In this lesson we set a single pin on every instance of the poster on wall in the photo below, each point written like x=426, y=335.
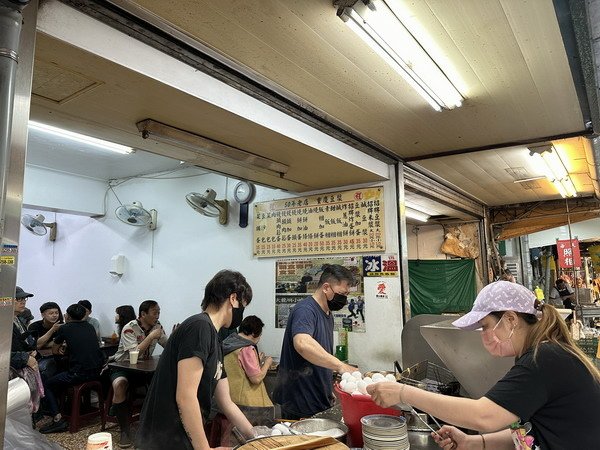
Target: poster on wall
x=381, y=289
x=339, y=222
x=380, y=266
x=295, y=279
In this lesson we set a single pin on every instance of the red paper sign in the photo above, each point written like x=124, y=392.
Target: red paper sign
x=568, y=253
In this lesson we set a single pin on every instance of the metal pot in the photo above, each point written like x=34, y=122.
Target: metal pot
x=311, y=425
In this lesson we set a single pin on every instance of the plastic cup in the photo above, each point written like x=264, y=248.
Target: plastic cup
x=99, y=441
x=133, y=356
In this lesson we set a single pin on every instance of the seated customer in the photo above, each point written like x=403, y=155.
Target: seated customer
x=85, y=362
x=91, y=320
x=22, y=349
x=246, y=371
x=44, y=330
x=123, y=315
x=142, y=334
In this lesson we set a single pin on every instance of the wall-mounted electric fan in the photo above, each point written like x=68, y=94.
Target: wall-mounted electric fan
x=135, y=214
x=37, y=226
x=208, y=205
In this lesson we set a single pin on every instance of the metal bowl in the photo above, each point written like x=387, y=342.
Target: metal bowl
x=307, y=426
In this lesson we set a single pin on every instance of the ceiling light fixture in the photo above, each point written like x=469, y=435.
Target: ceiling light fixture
x=548, y=159
x=417, y=215
x=81, y=138
x=376, y=24
x=151, y=129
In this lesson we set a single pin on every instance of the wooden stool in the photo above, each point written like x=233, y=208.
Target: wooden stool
x=77, y=392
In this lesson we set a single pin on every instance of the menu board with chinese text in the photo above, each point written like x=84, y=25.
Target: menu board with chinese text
x=340, y=222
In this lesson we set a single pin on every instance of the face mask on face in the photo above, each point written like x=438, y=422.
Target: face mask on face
x=337, y=302
x=237, y=315
x=495, y=346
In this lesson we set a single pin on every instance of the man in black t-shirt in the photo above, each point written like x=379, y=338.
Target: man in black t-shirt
x=85, y=361
x=190, y=372
x=44, y=330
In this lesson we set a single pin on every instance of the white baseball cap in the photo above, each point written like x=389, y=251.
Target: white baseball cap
x=498, y=296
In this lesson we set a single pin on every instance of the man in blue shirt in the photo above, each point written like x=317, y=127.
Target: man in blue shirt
x=305, y=381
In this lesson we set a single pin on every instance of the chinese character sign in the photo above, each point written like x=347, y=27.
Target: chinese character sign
x=339, y=222
x=568, y=253
x=380, y=266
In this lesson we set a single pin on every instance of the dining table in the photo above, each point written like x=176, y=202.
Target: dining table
x=146, y=366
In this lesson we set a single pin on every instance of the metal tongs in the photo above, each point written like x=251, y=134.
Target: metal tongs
x=415, y=413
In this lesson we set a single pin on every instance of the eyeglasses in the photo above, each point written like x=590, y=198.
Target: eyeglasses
x=21, y=300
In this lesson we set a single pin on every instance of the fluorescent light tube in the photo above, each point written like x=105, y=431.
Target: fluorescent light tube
x=560, y=188
x=417, y=215
x=555, y=164
x=548, y=159
x=569, y=187
x=81, y=138
x=200, y=145
x=377, y=25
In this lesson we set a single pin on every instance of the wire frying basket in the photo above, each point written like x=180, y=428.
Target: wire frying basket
x=431, y=377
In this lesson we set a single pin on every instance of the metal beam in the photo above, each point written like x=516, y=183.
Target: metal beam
x=428, y=187
x=75, y=28
x=143, y=25
x=14, y=131
x=519, y=143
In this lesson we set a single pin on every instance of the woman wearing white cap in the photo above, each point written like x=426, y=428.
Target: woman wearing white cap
x=550, y=398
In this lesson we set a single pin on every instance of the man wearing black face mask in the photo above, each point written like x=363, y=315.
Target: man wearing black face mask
x=190, y=372
x=305, y=379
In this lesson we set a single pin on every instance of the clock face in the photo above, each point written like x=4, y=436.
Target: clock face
x=243, y=192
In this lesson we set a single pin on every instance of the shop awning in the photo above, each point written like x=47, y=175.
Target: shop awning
x=517, y=220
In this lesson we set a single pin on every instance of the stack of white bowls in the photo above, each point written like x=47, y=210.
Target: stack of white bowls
x=381, y=432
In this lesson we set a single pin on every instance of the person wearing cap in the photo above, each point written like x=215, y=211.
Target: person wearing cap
x=550, y=398
x=25, y=316
x=23, y=345
x=91, y=320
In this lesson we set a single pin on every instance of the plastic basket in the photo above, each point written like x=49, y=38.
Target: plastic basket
x=431, y=377
x=354, y=408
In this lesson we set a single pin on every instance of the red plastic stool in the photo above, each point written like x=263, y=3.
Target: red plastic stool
x=76, y=393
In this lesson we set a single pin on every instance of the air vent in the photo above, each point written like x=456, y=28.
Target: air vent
x=57, y=84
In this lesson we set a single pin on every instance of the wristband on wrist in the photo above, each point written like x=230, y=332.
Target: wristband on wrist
x=402, y=386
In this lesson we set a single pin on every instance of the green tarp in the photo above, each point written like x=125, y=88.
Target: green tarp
x=438, y=286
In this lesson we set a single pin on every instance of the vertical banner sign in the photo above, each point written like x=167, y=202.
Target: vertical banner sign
x=568, y=253
x=338, y=222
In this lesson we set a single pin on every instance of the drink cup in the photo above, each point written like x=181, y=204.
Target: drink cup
x=99, y=441
x=133, y=356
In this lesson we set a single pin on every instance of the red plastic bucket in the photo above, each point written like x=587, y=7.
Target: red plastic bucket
x=354, y=408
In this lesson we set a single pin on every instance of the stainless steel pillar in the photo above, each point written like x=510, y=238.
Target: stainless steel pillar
x=17, y=43
x=403, y=243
